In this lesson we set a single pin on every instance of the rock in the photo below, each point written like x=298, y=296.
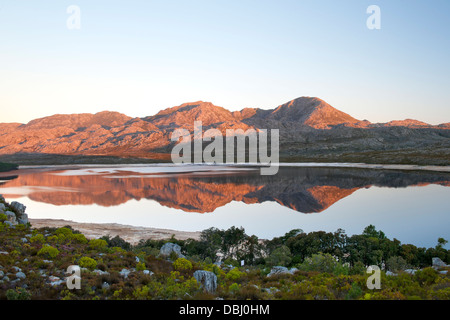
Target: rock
x=437, y=262
x=390, y=273
x=24, y=240
x=100, y=272
x=281, y=270
x=1, y=274
x=2, y=207
x=23, y=219
x=11, y=217
x=3, y=252
x=20, y=275
x=18, y=207
x=17, y=269
x=410, y=271
x=124, y=273
x=207, y=279
x=443, y=271
x=10, y=224
x=147, y=272
x=55, y=281
x=168, y=248
x=105, y=285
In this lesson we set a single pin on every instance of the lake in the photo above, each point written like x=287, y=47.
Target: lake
x=410, y=205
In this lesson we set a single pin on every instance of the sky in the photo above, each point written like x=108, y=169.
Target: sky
x=139, y=57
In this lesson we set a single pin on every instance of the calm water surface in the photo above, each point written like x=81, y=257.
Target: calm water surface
x=412, y=206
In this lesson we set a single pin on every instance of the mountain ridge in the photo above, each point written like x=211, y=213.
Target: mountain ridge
x=308, y=127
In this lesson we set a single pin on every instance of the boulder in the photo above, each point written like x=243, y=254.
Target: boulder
x=20, y=275
x=18, y=207
x=281, y=270
x=168, y=248
x=207, y=279
x=2, y=207
x=11, y=217
x=437, y=262
x=124, y=273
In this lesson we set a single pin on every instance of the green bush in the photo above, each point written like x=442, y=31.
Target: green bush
x=80, y=238
x=396, y=263
x=65, y=231
x=427, y=276
x=18, y=294
x=319, y=262
x=37, y=238
x=3, y=217
x=97, y=244
x=182, y=264
x=234, y=274
x=86, y=262
x=48, y=251
x=140, y=266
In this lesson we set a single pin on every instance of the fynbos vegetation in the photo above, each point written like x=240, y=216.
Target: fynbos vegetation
x=298, y=265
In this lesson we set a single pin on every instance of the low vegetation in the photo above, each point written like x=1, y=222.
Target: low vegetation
x=34, y=263
x=7, y=166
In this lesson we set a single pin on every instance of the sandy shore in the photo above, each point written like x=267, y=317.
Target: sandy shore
x=130, y=234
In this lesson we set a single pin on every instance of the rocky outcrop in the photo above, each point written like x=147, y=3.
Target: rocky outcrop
x=438, y=263
x=207, y=279
x=15, y=212
x=168, y=248
x=278, y=270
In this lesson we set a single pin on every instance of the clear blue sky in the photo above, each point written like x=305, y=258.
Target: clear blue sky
x=138, y=57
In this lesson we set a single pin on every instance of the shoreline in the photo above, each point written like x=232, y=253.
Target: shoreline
x=131, y=234
x=356, y=165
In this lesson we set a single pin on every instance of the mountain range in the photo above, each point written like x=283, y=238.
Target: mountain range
x=310, y=130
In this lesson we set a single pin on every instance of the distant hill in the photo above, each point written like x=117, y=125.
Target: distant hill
x=310, y=130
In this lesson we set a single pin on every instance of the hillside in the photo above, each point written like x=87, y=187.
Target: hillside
x=310, y=130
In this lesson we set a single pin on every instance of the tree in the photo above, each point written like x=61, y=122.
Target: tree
x=371, y=231
x=279, y=257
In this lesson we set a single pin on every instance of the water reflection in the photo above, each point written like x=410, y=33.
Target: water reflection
x=303, y=189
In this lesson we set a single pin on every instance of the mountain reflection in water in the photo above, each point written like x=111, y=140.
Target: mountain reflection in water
x=303, y=189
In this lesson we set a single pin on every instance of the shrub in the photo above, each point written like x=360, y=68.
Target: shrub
x=86, y=262
x=234, y=288
x=3, y=217
x=65, y=231
x=37, y=238
x=48, y=251
x=319, y=262
x=234, y=274
x=140, y=266
x=80, y=238
x=182, y=264
x=18, y=294
x=97, y=244
x=396, y=263
x=355, y=292
x=427, y=276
